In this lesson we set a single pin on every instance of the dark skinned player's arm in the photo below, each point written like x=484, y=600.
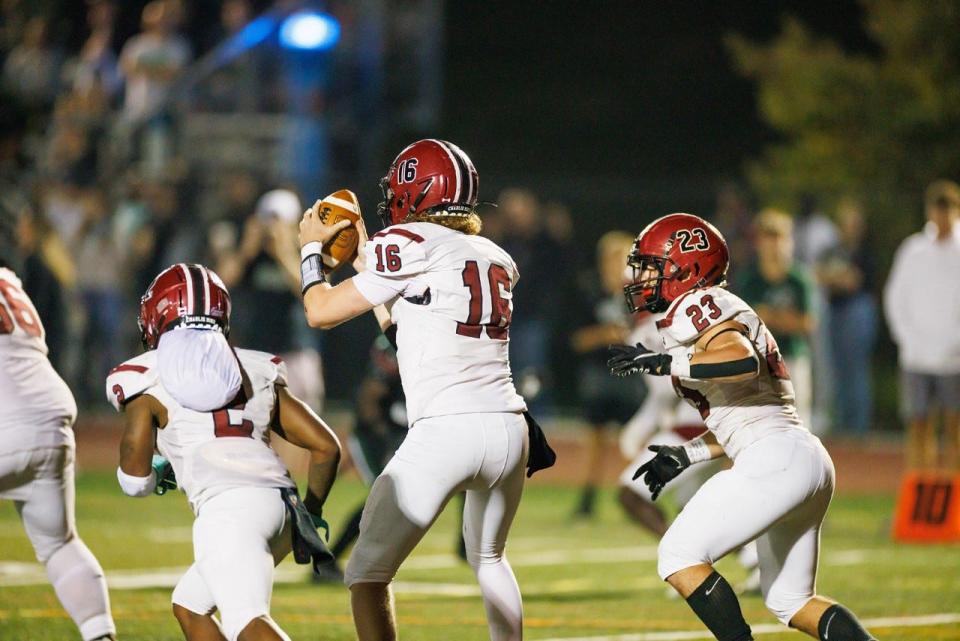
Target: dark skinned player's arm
x=299, y=425
x=141, y=416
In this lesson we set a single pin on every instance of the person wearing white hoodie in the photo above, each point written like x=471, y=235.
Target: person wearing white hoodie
x=922, y=305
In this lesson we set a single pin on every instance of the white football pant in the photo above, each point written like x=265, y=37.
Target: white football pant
x=777, y=492
x=40, y=482
x=238, y=538
x=484, y=454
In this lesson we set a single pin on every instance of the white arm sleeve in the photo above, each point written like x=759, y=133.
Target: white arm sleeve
x=139, y=486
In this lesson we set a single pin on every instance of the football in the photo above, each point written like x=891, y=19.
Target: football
x=342, y=248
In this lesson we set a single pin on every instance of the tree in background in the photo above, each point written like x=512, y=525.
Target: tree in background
x=879, y=125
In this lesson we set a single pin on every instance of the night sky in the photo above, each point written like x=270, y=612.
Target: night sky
x=617, y=104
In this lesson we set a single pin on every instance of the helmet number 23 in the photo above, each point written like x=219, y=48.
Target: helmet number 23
x=693, y=240
x=500, y=311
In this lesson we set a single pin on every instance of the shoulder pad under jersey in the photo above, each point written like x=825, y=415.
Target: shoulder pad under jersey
x=132, y=378
x=263, y=365
x=698, y=310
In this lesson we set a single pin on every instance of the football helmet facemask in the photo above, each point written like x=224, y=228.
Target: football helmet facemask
x=673, y=255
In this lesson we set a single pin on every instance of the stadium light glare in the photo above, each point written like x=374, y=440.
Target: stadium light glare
x=310, y=30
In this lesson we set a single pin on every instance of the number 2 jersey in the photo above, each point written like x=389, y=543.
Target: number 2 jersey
x=36, y=406
x=452, y=296
x=738, y=413
x=213, y=451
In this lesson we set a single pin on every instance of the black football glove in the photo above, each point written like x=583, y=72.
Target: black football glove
x=626, y=360
x=662, y=468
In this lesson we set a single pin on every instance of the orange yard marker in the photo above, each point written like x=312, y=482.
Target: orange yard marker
x=928, y=508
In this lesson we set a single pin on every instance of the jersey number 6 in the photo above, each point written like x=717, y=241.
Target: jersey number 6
x=21, y=313
x=500, y=312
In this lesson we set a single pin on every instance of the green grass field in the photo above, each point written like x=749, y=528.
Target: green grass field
x=591, y=579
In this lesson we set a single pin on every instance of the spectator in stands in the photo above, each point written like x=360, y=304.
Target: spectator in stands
x=264, y=270
x=922, y=304
x=733, y=216
x=236, y=86
x=96, y=65
x=815, y=236
x=604, y=321
x=98, y=261
x=32, y=70
x=848, y=274
x=782, y=293
x=151, y=63
x=535, y=253
x=152, y=60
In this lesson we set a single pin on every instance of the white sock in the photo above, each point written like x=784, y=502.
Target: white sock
x=78, y=580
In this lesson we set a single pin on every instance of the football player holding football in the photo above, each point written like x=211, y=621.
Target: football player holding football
x=209, y=410
x=724, y=361
x=448, y=302
x=37, y=453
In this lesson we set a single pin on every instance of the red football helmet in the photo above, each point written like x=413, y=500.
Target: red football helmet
x=685, y=252
x=429, y=177
x=183, y=294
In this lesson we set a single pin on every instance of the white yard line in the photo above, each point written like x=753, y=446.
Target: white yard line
x=18, y=573
x=766, y=628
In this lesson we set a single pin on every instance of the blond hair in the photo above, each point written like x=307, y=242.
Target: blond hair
x=614, y=241
x=943, y=191
x=469, y=224
x=774, y=221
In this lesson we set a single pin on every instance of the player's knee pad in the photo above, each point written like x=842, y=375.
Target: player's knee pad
x=675, y=554
x=78, y=580
x=784, y=604
x=360, y=570
x=48, y=535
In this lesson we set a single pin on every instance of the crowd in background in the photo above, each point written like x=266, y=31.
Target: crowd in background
x=91, y=235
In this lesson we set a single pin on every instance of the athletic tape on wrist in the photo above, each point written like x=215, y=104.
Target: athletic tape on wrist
x=311, y=267
x=697, y=451
x=313, y=247
x=680, y=366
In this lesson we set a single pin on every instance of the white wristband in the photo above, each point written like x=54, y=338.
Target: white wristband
x=136, y=485
x=697, y=451
x=680, y=366
x=313, y=247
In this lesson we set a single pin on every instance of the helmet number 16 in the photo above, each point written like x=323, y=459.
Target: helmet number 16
x=500, y=311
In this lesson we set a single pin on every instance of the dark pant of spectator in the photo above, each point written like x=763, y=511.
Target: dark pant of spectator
x=853, y=332
x=529, y=361
x=101, y=340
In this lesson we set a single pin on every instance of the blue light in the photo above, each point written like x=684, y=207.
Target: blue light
x=255, y=32
x=310, y=30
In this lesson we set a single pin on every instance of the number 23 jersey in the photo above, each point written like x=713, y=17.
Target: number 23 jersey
x=213, y=451
x=453, y=302
x=741, y=412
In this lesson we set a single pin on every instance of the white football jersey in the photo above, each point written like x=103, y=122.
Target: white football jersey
x=213, y=451
x=453, y=304
x=36, y=406
x=738, y=413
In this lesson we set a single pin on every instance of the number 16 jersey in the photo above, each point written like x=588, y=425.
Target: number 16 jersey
x=453, y=303
x=740, y=412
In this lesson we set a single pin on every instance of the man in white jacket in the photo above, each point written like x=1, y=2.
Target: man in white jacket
x=922, y=305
